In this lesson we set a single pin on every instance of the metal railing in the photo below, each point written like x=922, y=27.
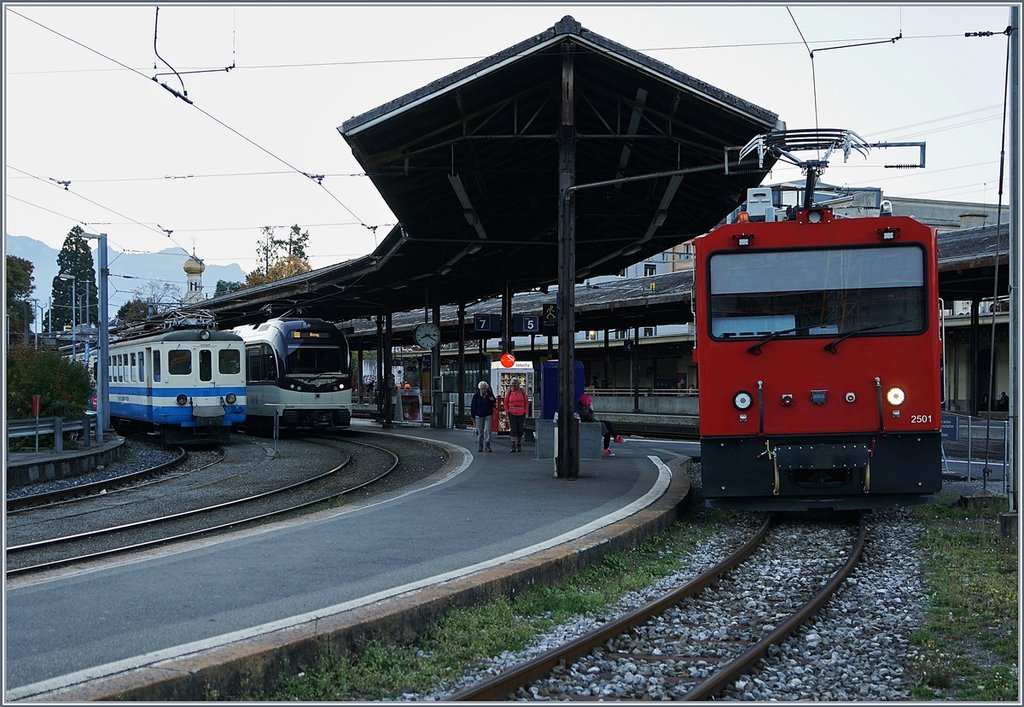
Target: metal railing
x=55, y=427
x=976, y=447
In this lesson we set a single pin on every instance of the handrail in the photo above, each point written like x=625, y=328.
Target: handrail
x=55, y=426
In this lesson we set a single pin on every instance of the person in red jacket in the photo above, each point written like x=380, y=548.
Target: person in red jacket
x=517, y=403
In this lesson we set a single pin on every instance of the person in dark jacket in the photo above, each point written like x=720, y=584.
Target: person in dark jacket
x=482, y=410
x=585, y=410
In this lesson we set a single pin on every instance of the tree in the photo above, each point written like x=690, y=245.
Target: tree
x=279, y=258
x=225, y=287
x=19, y=293
x=295, y=244
x=74, y=259
x=134, y=310
x=159, y=296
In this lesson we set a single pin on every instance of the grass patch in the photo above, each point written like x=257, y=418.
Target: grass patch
x=466, y=636
x=970, y=637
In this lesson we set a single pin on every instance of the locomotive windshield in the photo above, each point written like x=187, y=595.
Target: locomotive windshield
x=827, y=292
x=316, y=358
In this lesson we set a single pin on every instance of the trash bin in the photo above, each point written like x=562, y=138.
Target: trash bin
x=448, y=418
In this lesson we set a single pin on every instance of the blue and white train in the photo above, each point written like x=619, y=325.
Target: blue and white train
x=299, y=371
x=187, y=384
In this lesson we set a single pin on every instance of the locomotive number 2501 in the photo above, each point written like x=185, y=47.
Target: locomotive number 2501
x=920, y=419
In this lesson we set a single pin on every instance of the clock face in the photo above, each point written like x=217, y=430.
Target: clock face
x=428, y=335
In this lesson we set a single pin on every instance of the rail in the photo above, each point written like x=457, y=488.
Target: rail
x=53, y=426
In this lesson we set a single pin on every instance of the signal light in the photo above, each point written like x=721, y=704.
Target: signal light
x=742, y=400
x=895, y=396
x=230, y=398
x=181, y=399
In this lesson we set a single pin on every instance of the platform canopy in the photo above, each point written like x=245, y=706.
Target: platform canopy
x=470, y=165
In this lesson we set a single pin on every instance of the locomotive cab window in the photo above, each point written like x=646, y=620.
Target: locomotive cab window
x=179, y=362
x=229, y=361
x=818, y=293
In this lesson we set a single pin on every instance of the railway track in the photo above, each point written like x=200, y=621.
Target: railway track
x=248, y=485
x=696, y=640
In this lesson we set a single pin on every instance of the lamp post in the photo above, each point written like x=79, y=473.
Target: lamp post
x=74, y=298
x=102, y=384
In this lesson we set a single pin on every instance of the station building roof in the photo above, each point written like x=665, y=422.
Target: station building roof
x=967, y=262
x=470, y=165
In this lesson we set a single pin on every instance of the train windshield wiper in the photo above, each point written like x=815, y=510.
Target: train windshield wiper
x=833, y=345
x=756, y=348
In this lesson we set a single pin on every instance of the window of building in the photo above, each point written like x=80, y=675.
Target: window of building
x=650, y=269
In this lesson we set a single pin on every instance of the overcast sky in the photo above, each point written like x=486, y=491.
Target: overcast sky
x=81, y=105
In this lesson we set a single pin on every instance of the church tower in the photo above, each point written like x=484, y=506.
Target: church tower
x=193, y=268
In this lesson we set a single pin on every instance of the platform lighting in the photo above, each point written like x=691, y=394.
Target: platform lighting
x=74, y=299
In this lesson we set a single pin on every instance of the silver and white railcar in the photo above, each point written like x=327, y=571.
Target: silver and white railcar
x=299, y=372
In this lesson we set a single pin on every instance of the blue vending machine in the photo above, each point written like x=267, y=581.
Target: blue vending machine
x=549, y=388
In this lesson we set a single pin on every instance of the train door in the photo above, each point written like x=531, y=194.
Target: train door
x=149, y=367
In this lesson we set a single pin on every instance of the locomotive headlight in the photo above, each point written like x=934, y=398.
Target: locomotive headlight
x=813, y=217
x=895, y=396
x=742, y=400
x=230, y=398
x=181, y=399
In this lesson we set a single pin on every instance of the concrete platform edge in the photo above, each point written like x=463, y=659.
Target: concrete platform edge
x=258, y=663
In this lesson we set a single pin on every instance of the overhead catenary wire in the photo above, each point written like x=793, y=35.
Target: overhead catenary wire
x=209, y=115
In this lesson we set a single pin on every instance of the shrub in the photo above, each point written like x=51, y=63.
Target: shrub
x=64, y=385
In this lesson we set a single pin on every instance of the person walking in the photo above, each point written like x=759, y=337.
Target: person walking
x=482, y=410
x=517, y=403
x=585, y=410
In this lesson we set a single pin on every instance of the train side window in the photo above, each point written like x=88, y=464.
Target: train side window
x=268, y=367
x=228, y=361
x=142, y=367
x=205, y=365
x=252, y=364
x=131, y=366
x=156, y=366
x=179, y=362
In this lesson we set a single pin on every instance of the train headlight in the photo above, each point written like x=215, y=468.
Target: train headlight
x=204, y=334
x=895, y=396
x=742, y=400
x=181, y=399
x=230, y=398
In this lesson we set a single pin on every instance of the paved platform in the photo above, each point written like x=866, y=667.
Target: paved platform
x=32, y=467
x=202, y=618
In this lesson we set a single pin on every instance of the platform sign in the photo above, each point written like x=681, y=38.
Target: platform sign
x=525, y=324
x=487, y=323
x=950, y=427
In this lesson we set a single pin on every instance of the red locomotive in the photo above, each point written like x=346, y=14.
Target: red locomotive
x=818, y=345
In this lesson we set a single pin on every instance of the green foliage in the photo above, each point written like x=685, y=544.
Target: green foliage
x=64, y=385
x=279, y=258
x=74, y=301
x=19, y=292
x=225, y=287
x=971, y=634
x=135, y=310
